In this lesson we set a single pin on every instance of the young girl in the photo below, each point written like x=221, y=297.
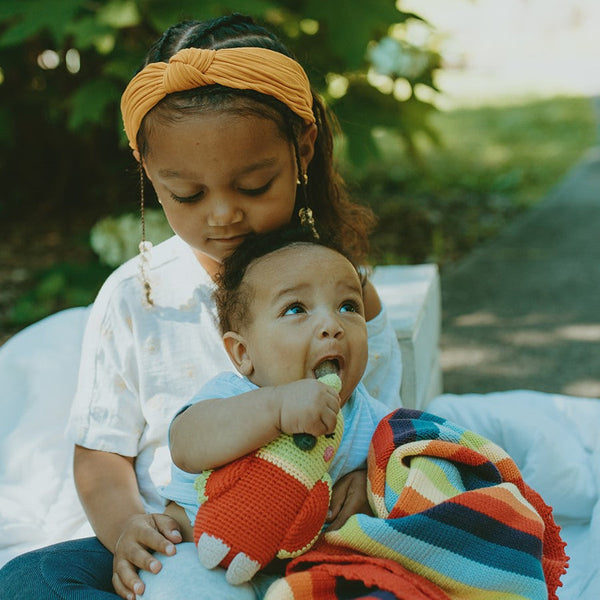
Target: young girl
x=223, y=123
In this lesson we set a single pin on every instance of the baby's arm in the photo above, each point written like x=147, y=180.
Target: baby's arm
x=217, y=431
x=108, y=490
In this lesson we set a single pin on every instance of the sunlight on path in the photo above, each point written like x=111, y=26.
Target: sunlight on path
x=503, y=50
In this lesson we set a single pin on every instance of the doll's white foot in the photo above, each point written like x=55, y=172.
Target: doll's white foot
x=211, y=550
x=241, y=569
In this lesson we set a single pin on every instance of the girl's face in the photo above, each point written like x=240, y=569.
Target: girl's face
x=220, y=176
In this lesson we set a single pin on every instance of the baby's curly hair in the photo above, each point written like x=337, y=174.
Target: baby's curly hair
x=232, y=297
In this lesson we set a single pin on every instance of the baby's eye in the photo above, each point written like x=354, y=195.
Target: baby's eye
x=349, y=306
x=294, y=309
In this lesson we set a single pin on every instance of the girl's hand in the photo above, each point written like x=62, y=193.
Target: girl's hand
x=308, y=406
x=348, y=497
x=143, y=535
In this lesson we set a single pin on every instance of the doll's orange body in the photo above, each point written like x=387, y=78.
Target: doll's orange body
x=270, y=503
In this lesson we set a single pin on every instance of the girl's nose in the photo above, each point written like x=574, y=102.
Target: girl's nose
x=223, y=212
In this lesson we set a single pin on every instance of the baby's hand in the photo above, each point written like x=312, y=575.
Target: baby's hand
x=348, y=497
x=308, y=406
x=143, y=535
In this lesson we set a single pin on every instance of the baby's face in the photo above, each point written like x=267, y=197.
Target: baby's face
x=307, y=317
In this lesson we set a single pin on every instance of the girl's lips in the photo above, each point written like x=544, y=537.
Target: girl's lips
x=227, y=241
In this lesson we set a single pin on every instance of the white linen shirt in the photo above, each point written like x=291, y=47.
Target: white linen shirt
x=140, y=364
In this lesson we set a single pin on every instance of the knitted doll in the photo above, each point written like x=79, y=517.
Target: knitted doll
x=270, y=503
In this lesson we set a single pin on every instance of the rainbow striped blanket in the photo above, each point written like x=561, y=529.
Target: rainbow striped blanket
x=453, y=519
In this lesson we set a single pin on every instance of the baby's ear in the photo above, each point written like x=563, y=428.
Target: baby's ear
x=235, y=345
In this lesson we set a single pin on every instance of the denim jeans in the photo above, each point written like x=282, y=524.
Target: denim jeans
x=73, y=570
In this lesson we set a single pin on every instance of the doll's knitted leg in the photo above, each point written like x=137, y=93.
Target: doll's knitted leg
x=242, y=568
x=211, y=550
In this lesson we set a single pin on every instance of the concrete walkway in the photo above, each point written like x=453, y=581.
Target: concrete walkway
x=523, y=311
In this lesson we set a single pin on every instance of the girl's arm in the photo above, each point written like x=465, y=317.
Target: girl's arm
x=107, y=486
x=217, y=431
x=383, y=374
x=371, y=300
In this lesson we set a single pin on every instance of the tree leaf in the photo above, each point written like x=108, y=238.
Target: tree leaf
x=86, y=31
x=90, y=101
x=119, y=14
x=39, y=15
x=350, y=28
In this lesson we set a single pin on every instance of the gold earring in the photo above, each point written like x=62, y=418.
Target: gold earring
x=308, y=221
x=304, y=180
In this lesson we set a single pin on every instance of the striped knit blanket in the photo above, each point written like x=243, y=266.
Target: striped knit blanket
x=453, y=519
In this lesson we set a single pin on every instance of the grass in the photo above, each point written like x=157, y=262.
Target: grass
x=488, y=165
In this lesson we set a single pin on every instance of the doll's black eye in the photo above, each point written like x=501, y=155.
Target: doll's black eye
x=330, y=436
x=305, y=441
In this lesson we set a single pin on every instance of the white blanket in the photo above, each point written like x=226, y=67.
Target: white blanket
x=38, y=374
x=554, y=439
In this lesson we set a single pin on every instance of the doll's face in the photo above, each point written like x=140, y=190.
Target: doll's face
x=306, y=308
x=221, y=175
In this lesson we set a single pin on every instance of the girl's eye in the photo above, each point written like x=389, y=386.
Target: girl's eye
x=186, y=199
x=349, y=306
x=256, y=191
x=294, y=309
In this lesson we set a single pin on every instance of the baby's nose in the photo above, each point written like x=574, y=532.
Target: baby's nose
x=331, y=328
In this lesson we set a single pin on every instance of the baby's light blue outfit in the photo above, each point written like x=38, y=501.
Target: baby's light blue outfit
x=183, y=576
x=361, y=413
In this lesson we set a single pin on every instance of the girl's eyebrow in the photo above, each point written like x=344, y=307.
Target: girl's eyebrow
x=256, y=166
x=261, y=164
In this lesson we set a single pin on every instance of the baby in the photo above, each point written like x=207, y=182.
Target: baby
x=291, y=310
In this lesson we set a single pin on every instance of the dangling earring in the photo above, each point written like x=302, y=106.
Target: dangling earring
x=304, y=179
x=305, y=213
x=308, y=221
x=145, y=246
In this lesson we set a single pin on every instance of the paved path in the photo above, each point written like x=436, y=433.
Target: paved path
x=523, y=311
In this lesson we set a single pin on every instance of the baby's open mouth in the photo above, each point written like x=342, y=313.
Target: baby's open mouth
x=327, y=367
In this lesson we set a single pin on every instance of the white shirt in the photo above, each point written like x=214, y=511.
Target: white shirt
x=140, y=364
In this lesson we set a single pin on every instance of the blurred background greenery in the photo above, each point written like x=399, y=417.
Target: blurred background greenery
x=442, y=177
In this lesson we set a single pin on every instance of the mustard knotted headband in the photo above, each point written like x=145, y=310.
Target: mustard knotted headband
x=258, y=69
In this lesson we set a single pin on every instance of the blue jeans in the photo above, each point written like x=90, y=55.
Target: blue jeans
x=74, y=570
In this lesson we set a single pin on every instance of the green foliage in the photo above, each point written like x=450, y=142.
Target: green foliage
x=489, y=165
x=112, y=37
x=63, y=285
x=90, y=102
x=116, y=239
x=27, y=18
